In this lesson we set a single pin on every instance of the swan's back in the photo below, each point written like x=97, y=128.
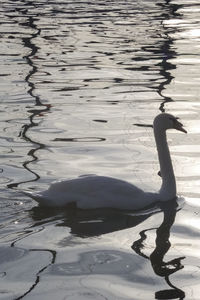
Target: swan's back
x=91, y=192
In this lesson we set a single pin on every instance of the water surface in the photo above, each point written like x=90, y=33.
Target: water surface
x=77, y=80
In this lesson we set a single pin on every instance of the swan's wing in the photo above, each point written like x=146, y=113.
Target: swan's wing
x=94, y=192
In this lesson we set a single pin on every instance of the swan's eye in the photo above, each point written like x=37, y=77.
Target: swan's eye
x=175, y=120
x=176, y=123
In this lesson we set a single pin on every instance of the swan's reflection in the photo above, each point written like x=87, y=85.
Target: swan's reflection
x=92, y=223
x=161, y=268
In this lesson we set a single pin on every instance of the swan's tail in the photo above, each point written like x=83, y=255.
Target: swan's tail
x=35, y=196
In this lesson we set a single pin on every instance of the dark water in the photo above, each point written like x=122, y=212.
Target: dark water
x=75, y=78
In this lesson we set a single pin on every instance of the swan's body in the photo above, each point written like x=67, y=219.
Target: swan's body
x=91, y=192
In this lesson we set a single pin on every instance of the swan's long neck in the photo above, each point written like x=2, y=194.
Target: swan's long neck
x=168, y=187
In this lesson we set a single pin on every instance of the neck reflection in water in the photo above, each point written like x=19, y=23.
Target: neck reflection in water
x=91, y=223
x=161, y=268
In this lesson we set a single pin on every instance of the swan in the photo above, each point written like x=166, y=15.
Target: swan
x=90, y=192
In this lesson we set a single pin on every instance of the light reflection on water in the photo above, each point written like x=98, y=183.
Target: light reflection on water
x=75, y=77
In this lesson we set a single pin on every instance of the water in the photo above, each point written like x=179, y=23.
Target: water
x=77, y=78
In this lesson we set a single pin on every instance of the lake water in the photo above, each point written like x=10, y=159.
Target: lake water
x=80, y=83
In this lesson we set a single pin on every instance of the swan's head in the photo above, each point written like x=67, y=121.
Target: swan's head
x=166, y=121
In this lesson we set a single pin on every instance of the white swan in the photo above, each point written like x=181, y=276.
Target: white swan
x=91, y=192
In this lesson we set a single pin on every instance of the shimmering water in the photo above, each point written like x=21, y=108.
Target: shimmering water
x=77, y=80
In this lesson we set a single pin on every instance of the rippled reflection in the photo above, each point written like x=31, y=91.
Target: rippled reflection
x=68, y=60
x=75, y=77
x=161, y=268
x=92, y=223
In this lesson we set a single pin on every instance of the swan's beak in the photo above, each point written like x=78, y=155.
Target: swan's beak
x=178, y=126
